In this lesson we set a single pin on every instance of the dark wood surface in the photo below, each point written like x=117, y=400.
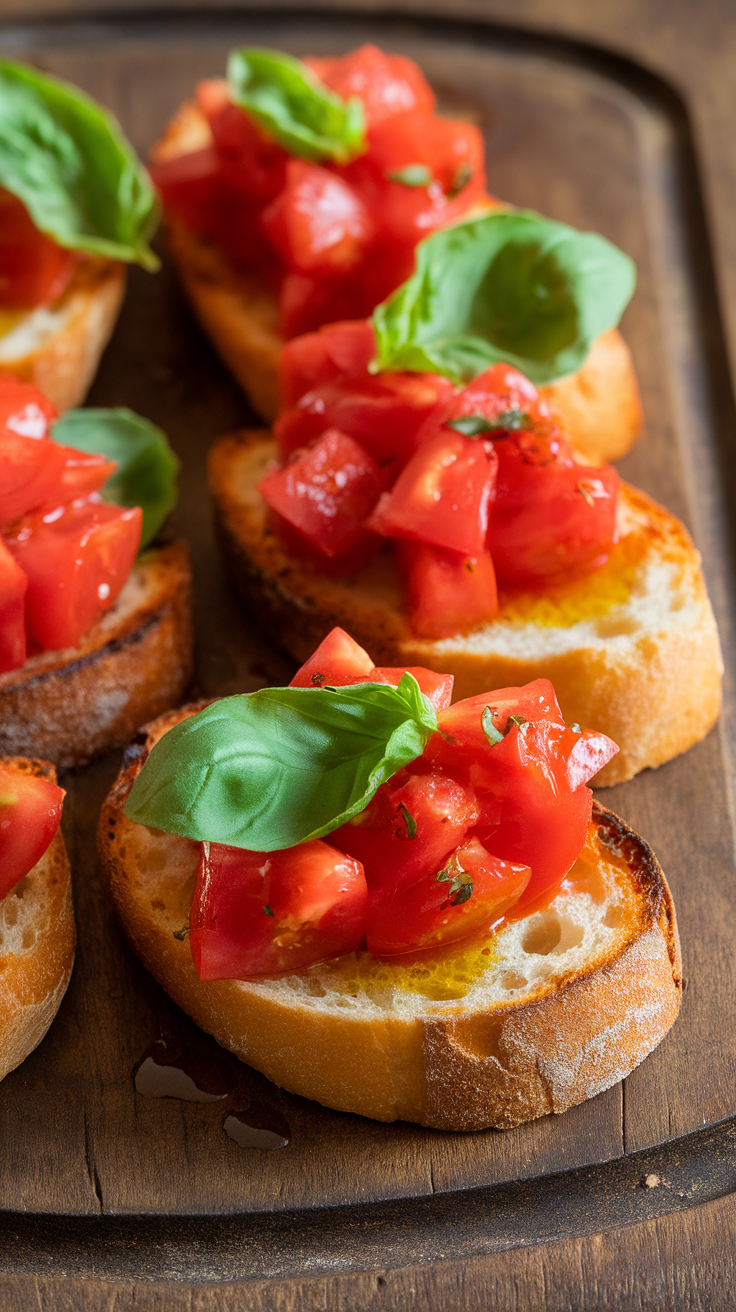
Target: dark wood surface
x=602, y=144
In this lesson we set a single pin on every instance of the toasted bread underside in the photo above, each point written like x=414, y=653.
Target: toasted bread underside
x=37, y=941
x=633, y=652
x=135, y=662
x=545, y=1013
x=599, y=404
x=58, y=347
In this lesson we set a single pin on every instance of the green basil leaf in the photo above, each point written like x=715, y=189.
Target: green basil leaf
x=508, y=421
x=67, y=160
x=412, y=175
x=273, y=768
x=147, y=467
x=286, y=98
x=510, y=286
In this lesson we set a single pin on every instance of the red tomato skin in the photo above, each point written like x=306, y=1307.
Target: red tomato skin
x=33, y=269
x=315, y=895
x=421, y=913
x=251, y=164
x=448, y=593
x=443, y=811
x=76, y=559
x=31, y=466
x=191, y=188
x=442, y=495
x=13, y=585
x=387, y=84
x=30, y=811
x=83, y=473
x=317, y=223
x=336, y=350
x=436, y=687
x=326, y=493
x=339, y=660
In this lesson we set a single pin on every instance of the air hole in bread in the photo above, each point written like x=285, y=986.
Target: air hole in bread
x=157, y=904
x=11, y=913
x=513, y=980
x=613, y=626
x=29, y=937
x=542, y=936
x=614, y=917
x=315, y=989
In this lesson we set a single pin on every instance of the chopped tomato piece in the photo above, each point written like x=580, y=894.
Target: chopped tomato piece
x=30, y=811
x=468, y=893
x=265, y=913
x=13, y=584
x=33, y=269
x=31, y=466
x=83, y=473
x=76, y=559
x=191, y=188
x=409, y=827
x=327, y=493
x=339, y=660
x=500, y=394
x=436, y=687
x=318, y=223
x=337, y=350
x=251, y=164
x=448, y=593
x=387, y=84
x=442, y=495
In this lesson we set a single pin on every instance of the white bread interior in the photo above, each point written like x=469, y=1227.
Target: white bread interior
x=57, y=347
x=546, y=1012
x=136, y=661
x=644, y=666
x=37, y=940
x=599, y=404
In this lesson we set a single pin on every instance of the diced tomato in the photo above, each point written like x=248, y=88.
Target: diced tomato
x=499, y=392
x=337, y=350
x=383, y=412
x=339, y=660
x=413, y=822
x=535, y=774
x=30, y=811
x=436, y=687
x=31, y=466
x=468, y=894
x=442, y=495
x=33, y=269
x=76, y=559
x=387, y=84
x=448, y=593
x=191, y=188
x=212, y=95
x=266, y=913
x=317, y=223
x=13, y=584
x=327, y=493
x=82, y=474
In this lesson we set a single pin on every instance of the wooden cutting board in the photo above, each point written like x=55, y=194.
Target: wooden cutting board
x=589, y=140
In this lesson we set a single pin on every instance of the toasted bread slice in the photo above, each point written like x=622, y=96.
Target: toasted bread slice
x=546, y=1012
x=135, y=662
x=599, y=404
x=37, y=941
x=58, y=347
x=632, y=649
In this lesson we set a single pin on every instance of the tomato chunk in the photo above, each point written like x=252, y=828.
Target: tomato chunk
x=387, y=84
x=448, y=593
x=266, y=913
x=335, y=350
x=442, y=495
x=327, y=493
x=339, y=660
x=468, y=894
x=76, y=559
x=31, y=466
x=30, y=811
x=33, y=269
x=436, y=687
x=318, y=223
x=13, y=584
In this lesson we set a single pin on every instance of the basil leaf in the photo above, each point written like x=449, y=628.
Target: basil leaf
x=273, y=768
x=67, y=160
x=508, y=421
x=286, y=98
x=147, y=467
x=510, y=286
x=412, y=175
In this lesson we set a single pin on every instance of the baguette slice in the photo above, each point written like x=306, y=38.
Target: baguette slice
x=632, y=650
x=57, y=347
x=549, y=1011
x=37, y=941
x=599, y=404
x=135, y=662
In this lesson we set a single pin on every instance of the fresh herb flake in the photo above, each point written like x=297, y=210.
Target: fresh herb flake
x=267, y=910
x=586, y=494
x=493, y=734
x=409, y=821
x=412, y=175
x=463, y=175
x=518, y=720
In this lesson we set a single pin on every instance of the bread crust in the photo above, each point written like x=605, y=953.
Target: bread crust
x=135, y=662
x=599, y=404
x=655, y=690
x=34, y=980
x=66, y=361
x=444, y=1064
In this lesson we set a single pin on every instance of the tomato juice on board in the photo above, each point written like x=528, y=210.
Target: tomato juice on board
x=484, y=819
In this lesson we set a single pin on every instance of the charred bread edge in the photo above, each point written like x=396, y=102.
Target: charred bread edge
x=495, y=1068
x=151, y=659
x=26, y=1012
